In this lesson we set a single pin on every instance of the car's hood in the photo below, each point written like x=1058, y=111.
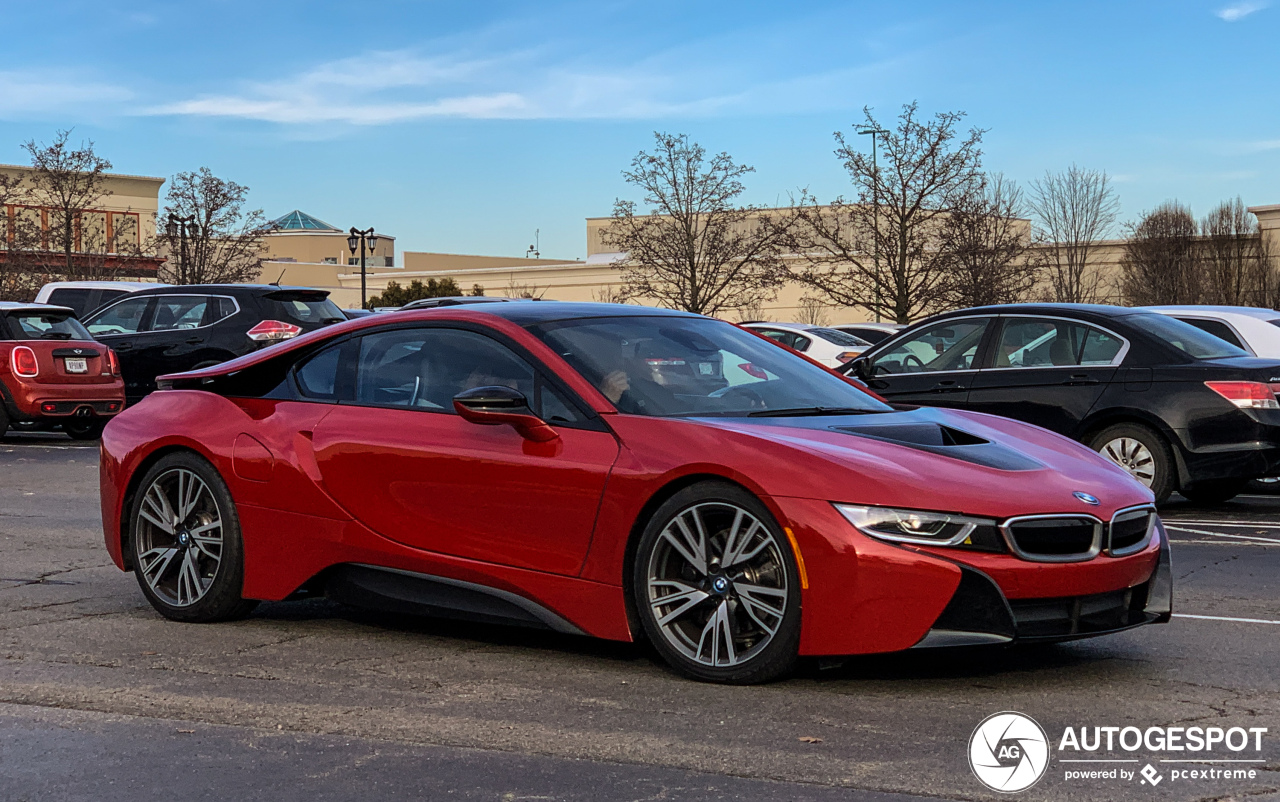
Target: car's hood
x=943, y=459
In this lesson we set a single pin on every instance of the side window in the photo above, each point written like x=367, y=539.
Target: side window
x=552, y=407
x=318, y=376
x=1217, y=328
x=425, y=368
x=123, y=318
x=1100, y=348
x=802, y=343
x=219, y=308
x=785, y=337
x=178, y=312
x=951, y=345
x=74, y=297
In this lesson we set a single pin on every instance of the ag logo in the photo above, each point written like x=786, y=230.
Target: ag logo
x=1008, y=752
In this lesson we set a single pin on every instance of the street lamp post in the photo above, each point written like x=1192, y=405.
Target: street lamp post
x=358, y=239
x=179, y=227
x=873, y=132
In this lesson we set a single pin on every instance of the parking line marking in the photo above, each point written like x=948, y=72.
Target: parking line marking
x=1226, y=618
x=1221, y=543
x=1244, y=524
x=1251, y=538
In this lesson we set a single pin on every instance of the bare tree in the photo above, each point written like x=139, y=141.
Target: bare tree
x=750, y=312
x=609, y=294
x=876, y=252
x=812, y=311
x=983, y=245
x=521, y=289
x=225, y=246
x=1075, y=210
x=22, y=272
x=69, y=182
x=698, y=249
x=1160, y=263
x=1235, y=267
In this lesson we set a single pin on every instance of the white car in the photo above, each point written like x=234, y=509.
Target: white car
x=86, y=296
x=829, y=346
x=1255, y=330
x=873, y=333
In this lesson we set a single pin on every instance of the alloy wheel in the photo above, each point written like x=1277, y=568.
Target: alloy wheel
x=717, y=584
x=179, y=531
x=1133, y=456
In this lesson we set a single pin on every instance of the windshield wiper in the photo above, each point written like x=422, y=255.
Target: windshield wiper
x=796, y=412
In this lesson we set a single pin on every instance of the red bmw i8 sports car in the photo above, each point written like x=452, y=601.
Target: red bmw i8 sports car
x=619, y=472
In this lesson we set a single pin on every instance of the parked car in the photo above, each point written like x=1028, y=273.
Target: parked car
x=352, y=314
x=829, y=346
x=86, y=296
x=453, y=300
x=1255, y=330
x=170, y=329
x=1178, y=408
x=871, y=332
x=52, y=373
x=517, y=463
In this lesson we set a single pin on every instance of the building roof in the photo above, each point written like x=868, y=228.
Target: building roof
x=301, y=221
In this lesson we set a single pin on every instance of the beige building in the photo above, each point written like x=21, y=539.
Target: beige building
x=120, y=229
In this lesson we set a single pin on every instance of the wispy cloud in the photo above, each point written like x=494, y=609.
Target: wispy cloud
x=398, y=86
x=29, y=93
x=1240, y=10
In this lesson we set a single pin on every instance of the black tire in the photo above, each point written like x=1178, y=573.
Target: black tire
x=219, y=599
x=754, y=654
x=84, y=430
x=1163, y=480
x=1214, y=491
x=4, y=422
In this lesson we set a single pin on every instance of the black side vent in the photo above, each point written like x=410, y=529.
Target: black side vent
x=947, y=441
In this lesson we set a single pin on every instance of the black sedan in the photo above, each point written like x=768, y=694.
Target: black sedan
x=1178, y=408
x=174, y=329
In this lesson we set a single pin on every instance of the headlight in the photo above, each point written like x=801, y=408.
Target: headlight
x=923, y=527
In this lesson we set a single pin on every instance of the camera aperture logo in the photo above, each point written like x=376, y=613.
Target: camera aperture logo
x=1008, y=752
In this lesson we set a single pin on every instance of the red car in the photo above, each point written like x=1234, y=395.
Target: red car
x=53, y=374
x=619, y=472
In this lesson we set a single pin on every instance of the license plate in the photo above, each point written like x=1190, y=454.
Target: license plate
x=77, y=366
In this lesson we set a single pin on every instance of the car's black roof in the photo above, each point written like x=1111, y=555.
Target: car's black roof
x=1105, y=310
x=529, y=313
x=224, y=289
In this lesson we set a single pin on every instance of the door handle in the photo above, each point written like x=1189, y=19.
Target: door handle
x=195, y=340
x=948, y=386
x=122, y=346
x=1078, y=379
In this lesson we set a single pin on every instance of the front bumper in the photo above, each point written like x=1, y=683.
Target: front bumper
x=980, y=614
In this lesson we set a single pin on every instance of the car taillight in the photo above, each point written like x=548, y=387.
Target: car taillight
x=847, y=356
x=113, y=363
x=23, y=361
x=273, y=331
x=1246, y=395
x=752, y=370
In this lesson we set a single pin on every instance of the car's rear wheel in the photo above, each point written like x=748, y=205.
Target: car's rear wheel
x=185, y=534
x=716, y=586
x=1214, y=491
x=1142, y=452
x=84, y=430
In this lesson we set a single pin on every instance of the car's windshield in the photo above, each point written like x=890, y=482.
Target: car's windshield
x=1186, y=338
x=45, y=326
x=688, y=366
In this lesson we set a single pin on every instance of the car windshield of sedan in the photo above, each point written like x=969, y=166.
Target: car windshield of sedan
x=674, y=366
x=1188, y=339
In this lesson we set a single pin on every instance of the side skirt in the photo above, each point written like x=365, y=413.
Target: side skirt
x=397, y=591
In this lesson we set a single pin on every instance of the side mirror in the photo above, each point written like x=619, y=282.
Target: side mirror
x=861, y=368
x=496, y=405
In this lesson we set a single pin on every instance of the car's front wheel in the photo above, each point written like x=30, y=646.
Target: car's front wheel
x=185, y=534
x=716, y=586
x=1142, y=452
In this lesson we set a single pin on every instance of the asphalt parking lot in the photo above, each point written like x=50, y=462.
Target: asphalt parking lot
x=102, y=699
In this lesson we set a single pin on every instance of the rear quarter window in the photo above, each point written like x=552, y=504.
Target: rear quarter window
x=313, y=311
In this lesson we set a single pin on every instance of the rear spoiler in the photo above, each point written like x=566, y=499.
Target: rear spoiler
x=297, y=295
x=39, y=309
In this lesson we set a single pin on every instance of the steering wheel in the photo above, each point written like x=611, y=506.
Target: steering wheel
x=753, y=398
x=906, y=360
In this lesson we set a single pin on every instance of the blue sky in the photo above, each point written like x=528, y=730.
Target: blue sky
x=465, y=126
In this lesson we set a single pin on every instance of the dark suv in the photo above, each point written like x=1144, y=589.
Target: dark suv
x=173, y=329
x=1178, y=408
